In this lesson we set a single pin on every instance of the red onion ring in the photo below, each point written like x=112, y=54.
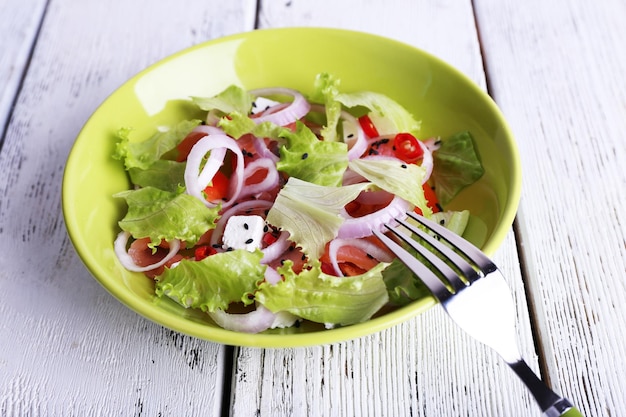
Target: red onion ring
x=195, y=183
x=355, y=227
x=298, y=108
x=368, y=247
x=273, y=251
x=253, y=322
x=126, y=260
x=264, y=151
x=272, y=276
x=269, y=182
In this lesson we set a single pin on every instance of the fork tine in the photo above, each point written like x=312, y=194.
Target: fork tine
x=466, y=269
x=470, y=251
x=450, y=275
x=428, y=277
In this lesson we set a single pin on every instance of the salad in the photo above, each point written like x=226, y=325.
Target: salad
x=261, y=214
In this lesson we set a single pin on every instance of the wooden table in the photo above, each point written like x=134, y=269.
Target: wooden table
x=556, y=69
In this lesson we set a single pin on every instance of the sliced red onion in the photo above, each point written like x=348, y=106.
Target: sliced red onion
x=272, y=276
x=359, y=145
x=433, y=144
x=240, y=207
x=273, y=251
x=264, y=151
x=297, y=109
x=427, y=161
x=368, y=247
x=209, y=130
x=355, y=227
x=127, y=261
x=253, y=322
x=269, y=182
x=217, y=143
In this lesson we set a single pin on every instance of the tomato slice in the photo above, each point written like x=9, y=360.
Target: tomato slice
x=407, y=147
x=185, y=146
x=218, y=188
x=368, y=127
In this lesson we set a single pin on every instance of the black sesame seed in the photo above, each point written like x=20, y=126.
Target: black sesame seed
x=245, y=226
x=265, y=228
x=216, y=245
x=305, y=155
x=439, y=207
x=351, y=135
x=229, y=249
x=370, y=256
x=403, y=166
x=249, y=241
x=303, y=257
x=442, y=222
x=383, y=141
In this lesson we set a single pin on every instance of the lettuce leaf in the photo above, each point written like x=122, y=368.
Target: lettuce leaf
x=215, y=281
x=143, y=154
x=322, y=298
x=383, y=111
x=237, y=124
x=456, y=165
x=311, y=213
x=163, y=174
x=232, y=99
x=306, y=157
x=326, y=89
x=394, y=176
x=162, y=215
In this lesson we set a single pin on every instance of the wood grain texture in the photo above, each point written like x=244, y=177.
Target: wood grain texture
x=556, y=71
x=18, y=29
x=425, y=367
x=66, y=346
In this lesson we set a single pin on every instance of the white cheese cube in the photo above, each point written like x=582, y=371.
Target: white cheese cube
x=244, y=232
x=261, y=104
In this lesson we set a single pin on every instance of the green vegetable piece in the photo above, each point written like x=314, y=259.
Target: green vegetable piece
x=394, y=176
x=162, y=215
x=311, y=213
x=456, y=165
x=384, y=111
x=322, y=298
x=312, y=160
x=326, y=89
x=143, y=154
x=215, y=281
x=163, y=174
x=232, y=99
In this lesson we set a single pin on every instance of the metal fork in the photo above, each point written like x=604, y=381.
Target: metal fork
x=475, y=295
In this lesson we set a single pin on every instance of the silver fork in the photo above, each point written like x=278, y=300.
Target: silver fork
x=475, y=295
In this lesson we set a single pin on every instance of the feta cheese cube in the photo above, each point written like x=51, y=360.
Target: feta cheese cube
x=244, y=232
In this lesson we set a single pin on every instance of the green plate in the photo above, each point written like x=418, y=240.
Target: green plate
x=444, y=99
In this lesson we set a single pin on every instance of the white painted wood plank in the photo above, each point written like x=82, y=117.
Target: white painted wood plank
x=18, y=28
x=425, y=367
x=66, y=346
x=557, y=72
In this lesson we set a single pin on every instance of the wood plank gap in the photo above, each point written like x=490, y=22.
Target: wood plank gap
x=227, y=380
x=482, y=50
x=257, y=15
x=524, y=267
x=532, y=307
x=20, y=83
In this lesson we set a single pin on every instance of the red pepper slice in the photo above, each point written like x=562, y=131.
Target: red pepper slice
x=431, y=199
x=202, y=252
x=218, y=188
x=407, y=147
x=368, y=127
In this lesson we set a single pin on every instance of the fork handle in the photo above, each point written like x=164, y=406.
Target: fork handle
x=551, y=404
